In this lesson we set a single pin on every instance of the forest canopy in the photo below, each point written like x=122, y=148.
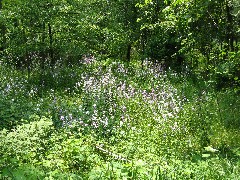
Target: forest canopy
x=202, y=35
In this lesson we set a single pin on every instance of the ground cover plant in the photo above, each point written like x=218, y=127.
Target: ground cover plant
x=113, y=120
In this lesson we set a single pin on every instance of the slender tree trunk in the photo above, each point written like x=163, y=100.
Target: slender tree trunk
x=229, y=33
x=3, y=46
x=129, y=47
x=143, y=43
x=29, y=63
x=51, y=53
x=26, y=57
x=3, y=31
x=43, y=53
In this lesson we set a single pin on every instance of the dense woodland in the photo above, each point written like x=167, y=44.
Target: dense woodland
x=117, y=89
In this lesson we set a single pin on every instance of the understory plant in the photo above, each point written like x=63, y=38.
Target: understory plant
x=118, y=122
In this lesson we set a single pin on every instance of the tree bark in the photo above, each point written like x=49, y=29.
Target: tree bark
x=129, y=52
x=43, y=52
x=51, y=53
x=3, y=31
x=229, y=33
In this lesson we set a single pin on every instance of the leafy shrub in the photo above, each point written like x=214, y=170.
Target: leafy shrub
x=25, y=143
x=227, y=73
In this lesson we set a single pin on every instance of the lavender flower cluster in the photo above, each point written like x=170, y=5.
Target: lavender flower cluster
x=107, y=95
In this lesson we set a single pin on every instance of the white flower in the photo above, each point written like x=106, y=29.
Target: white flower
x=62, y=118
x=121, y=123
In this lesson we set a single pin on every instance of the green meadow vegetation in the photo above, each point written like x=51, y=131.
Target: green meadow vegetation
x=117, y=123
x=119, y=89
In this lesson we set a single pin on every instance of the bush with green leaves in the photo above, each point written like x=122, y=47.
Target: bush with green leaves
x=43, y=151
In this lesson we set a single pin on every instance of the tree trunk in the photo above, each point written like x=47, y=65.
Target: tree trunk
x=43, y=53
x=51, y=53
x=3, y=31
x=129, y=52
x=229, y=33
x=143, y=43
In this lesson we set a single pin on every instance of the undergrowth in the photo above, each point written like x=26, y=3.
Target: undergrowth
x=110, y=120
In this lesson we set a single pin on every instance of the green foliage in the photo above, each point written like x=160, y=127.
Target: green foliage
x=121, y=122
x=15, y=98
x=70, y=110
x=201, y=35
x=23, y=145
